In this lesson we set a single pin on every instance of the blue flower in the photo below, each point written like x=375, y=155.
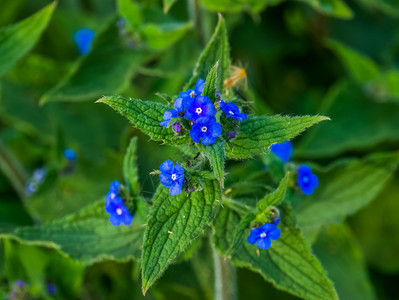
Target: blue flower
x=205, y=129
x=174, y=113
x=306, y=180
x=232, y=111
x=69, y=154
x=19, y=283
x=276, y=221
x=198, y=107
x=83, y=38
x=51, y=289
x=264, y=235
x=39, y=175
x=192, y=93
x=172, y=177
x=114, y=206
x=283, y=151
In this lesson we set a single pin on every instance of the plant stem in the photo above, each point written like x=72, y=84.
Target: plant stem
x=195, y=15
x=225, y=278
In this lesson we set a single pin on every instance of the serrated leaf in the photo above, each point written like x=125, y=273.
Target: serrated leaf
x=130, y=11
x=88, y=236
x=17, y=39
x=145, y=116
x=276, y=197
x=210, y=83
x=106, y=69
x=130, y=169
x=339, y=253
x=258, y=133
x=175, y=221
x=344, y=189
x=217, y=49
x=362, y=68
x=289, y=264
x=215, y=154
x=167, y=4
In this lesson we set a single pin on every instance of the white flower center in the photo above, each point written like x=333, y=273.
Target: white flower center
x=174, y=177
x=119, y=211
x=305, y=179
x=263, y=235
x=192, y=94
x=198, y=110
x=230, y=112
x=204, y=129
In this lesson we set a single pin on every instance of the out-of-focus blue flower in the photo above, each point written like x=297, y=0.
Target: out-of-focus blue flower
x=83, y=38
x=283, y=151
x=232, y=134
x=69, y=154
x=19, y=283
x=198, y=107
x=264, y=235
x=51, y=289
x=173, y=113
x=306, y=180
x=232, y=111
x=39, y=175
x=205, y=129
x=114, y=206
x=276, y=221
x=172, y=177
x=192, y=93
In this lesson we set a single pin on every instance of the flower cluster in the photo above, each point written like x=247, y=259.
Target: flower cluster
x=114, y=206
x=35, y=181
x=201, y=111
x=264, y=235
x=172, y=177
x=306, y=180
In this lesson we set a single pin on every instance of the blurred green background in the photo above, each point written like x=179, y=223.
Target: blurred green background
x=336, y=58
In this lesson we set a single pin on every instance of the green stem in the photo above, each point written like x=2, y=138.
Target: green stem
x=225, y=278
x=13, y=170
x=195, y=15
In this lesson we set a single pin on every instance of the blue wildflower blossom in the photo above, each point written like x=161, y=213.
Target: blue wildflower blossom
x=114, y=206
x=232, y=111
x=51, y=289
x=306, y=180
x=198, y=107
x=83, y=38
x=172, y=177
x=276, y=221
x=283, y=151
x=19, y=283
x=205, y=129
x=264, y=235
x=174, y=113
x=192, y=93
x=69, y=154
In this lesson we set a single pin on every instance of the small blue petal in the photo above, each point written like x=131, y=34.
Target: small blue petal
x=178, y=169
x=69, y=154
x=252, y=238
x=167, y=167
x=199, y=86
x=283, y=151
x=166, y=179
x=115, y=219
x=83, y=39
x=264, y=243
x=274, y=234
x=175, y=189
x=114, y=186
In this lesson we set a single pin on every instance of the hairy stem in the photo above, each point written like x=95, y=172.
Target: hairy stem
x=225, y=278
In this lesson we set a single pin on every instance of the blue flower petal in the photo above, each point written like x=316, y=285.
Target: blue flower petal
x=274, y=234
x=264, y=243
x=178, y=169
x=167, y=167
x=166, y=179
x=199, y=86
x=114, y=186
x=175, y=189
x=115, y=219
x=252, y=238
x=216, y=129
x=208, y=139
x=164, y=123
x=179, y=104
x=196, y=133
x=314, y=181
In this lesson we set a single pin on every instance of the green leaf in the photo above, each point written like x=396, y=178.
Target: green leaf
x=145, y=115
x=175, y=221
x=376, y=228
x=215, y=154
x=130, y=169
x=362, y=68
x=107, y=69
x=88, y=236
x=289, y=264
x=130, y=11
x=375, y=124
x=258, y=133
x=217, y=50
x=167, y=4
x=342, y=258
x=210, y=83
x=161, y=36
x=235, y=6
x=344, y=189
x=17, y=39
x=335, y=8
